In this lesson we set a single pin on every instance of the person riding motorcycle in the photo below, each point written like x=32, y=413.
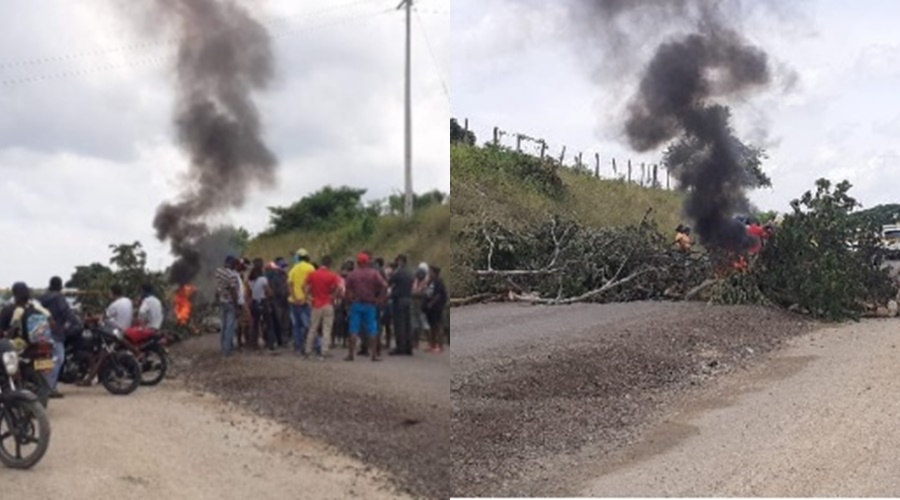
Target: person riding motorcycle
x=149, y=318
x=14, y=317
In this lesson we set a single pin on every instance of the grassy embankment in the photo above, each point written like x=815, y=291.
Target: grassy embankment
x=516, y=190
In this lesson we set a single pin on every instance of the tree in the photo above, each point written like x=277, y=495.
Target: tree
x=825, y=260
x=461, y=135
x=84, y=276
x=395, y=202
x=325, y=209
x=686, y=153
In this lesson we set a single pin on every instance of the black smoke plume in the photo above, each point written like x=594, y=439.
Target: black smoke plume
x=224, y=56
x=677, y=100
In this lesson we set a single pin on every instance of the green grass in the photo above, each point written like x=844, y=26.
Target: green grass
x=516, y=190
x=425, y=237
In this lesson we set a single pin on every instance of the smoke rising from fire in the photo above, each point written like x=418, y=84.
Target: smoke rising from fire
x=677, y=99
x=224, y=56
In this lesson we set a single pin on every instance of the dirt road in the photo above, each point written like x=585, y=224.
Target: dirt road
x=539, y=392
x=166, y=442
x=819, y=419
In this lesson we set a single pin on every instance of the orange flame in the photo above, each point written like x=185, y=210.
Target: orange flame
x=182, y=303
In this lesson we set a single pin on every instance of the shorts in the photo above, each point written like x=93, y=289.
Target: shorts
x=418, y=319
x=365, y=315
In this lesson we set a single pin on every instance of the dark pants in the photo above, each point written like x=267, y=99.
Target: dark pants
x=402, y=327
x=281, y=322
x=262, y=323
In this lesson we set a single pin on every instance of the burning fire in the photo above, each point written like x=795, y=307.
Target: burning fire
x=182, y=303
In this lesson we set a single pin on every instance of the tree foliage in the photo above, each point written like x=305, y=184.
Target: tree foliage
x=460, y=135
x=325, y=209
x=824, y=259
x=128, y=268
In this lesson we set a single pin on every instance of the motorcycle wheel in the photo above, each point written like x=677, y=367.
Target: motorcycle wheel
x=37, y=384
x=121, y=374
x=154, y=366
x=23, y=423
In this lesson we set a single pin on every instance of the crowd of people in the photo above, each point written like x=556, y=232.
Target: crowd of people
x=365, y=305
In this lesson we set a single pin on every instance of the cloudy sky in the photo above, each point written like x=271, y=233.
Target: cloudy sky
x=86, y=136
x=524, y=66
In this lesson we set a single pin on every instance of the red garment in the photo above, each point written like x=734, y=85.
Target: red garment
x=138, y=334
x=365, y=285
x=756, y=232
x=322, y=283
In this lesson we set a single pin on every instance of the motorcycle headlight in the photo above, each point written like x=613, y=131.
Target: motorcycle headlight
x=11, y=362
x=118, y=333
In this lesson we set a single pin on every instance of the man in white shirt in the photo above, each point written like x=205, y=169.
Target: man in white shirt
x=121, y=311
x=150, y=314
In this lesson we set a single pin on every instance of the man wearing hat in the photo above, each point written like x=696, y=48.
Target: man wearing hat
x=301, y=310
x=365, y=290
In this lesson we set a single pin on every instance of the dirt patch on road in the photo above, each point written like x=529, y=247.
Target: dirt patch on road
x=517, y=410
x=393, y=415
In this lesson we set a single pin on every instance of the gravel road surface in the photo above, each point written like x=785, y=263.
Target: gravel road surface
x=538, y=393
x=166, y=442
x=394, y=415
x=817, y=420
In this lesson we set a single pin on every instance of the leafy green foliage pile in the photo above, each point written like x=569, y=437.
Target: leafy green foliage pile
x=825, y=259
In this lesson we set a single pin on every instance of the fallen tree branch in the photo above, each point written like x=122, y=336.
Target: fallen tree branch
x=693, y=292
x=475, y=299
x=609, y=285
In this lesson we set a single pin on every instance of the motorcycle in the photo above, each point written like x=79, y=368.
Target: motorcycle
x=24, y=426
x=150, y=348
x=35, y=364
x=101, y=345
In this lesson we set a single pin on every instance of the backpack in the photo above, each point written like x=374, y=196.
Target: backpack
x=35, y=324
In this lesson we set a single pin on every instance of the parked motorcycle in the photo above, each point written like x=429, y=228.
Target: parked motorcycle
x=24, y=426
x=102, y=345
x=35, y=364
x=150, y=349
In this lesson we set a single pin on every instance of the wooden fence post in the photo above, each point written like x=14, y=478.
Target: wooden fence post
x=597, y=167
x=667, y=178
x=518, y=143
x=562, y=156
x=578, y=162
x=543, y=148
x=466, y=128
x=655, y=178
x=615, y=170
x=496, y=136
x=643, y=173
x=629, y=170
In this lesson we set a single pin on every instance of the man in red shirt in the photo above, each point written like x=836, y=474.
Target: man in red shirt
x=366, y=290
x=324, y=286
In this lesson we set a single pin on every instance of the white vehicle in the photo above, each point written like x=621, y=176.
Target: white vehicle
x=891, y=236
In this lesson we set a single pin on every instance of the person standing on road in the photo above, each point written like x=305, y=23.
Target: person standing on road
x=259, y=307
x=64, y=321
x=121, y=310
x=418, y=320
x=281, y=316
x=365, y=291
x=300, y=308
x=434, y=310
x=323, y=287
x=227, y=293
x=401, y=297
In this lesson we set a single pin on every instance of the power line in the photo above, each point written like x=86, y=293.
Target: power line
x=172, y=41
x=431, y=52
x=150, y=61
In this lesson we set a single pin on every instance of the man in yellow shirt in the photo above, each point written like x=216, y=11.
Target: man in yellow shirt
x=301, y=310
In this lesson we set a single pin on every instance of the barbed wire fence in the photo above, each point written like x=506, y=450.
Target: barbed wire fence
x=592, y=163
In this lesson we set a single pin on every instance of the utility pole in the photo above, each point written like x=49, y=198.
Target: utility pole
x=408, y=202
